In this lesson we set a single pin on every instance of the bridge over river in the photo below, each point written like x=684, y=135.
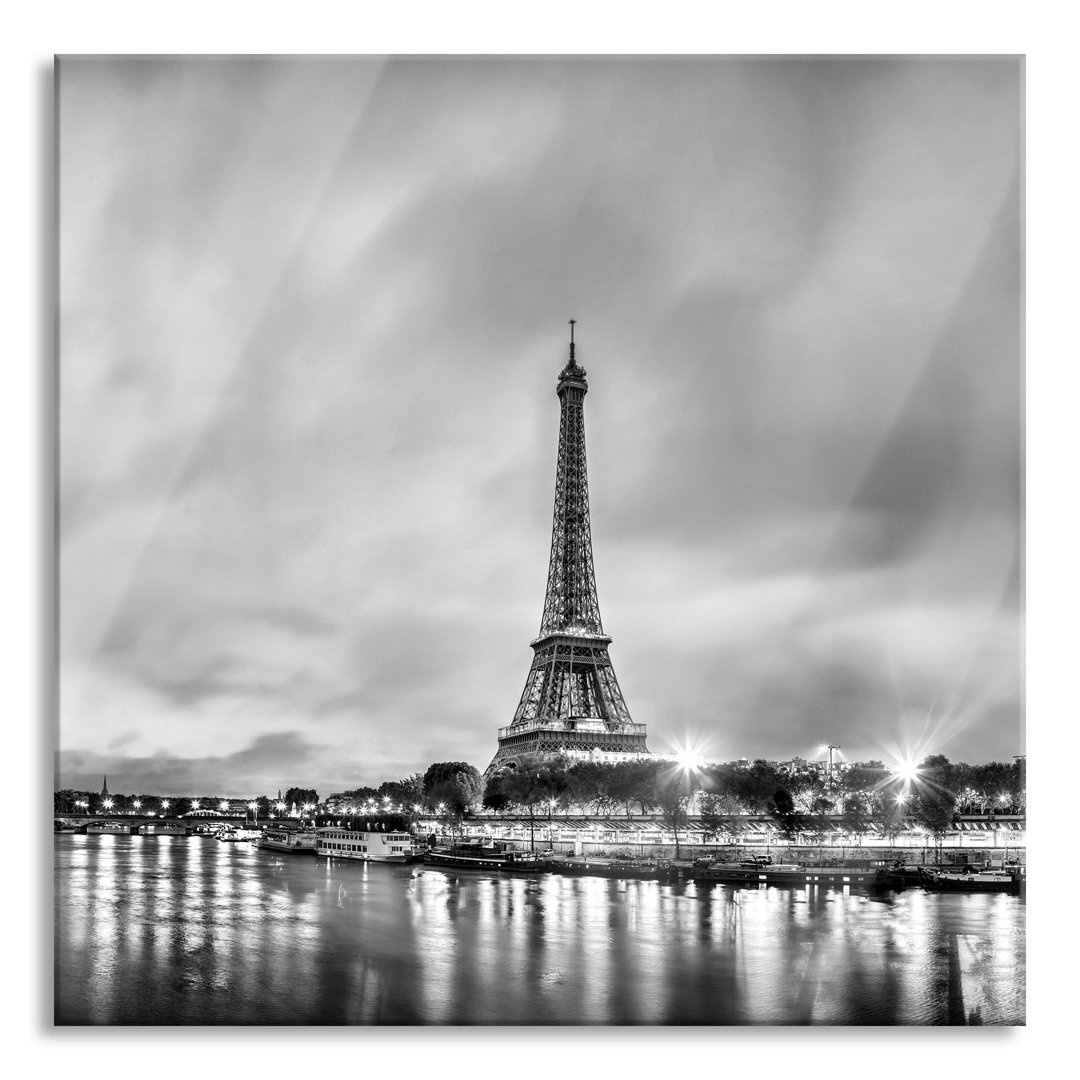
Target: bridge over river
x=136, y=823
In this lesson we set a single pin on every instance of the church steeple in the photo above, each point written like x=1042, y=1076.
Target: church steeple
x=105, y=786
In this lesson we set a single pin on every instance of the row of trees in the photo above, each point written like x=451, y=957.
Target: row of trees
x=799, y=798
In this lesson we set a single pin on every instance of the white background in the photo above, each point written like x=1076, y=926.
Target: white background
x=1039, y=30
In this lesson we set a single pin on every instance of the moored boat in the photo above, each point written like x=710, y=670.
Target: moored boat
x=971, y=880
x=392, y=847
x=759, y=872
x=489, y=856
x=623, y=870
x=898, y=877
x=289, y=840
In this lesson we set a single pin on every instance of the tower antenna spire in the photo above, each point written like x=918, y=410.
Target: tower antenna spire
x=572, y=321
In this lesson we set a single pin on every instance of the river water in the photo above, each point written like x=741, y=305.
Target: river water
x=184, y=930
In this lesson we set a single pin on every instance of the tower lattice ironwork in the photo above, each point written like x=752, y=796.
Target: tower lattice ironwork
x=572, y=705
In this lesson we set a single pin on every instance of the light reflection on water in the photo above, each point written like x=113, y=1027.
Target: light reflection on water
x=177, y=930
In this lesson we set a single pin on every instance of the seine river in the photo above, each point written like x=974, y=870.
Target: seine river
x=178, y=930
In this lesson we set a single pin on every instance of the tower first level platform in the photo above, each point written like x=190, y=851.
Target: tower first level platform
x=576, y=739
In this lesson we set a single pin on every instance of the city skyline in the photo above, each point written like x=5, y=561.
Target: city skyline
x=312, y=313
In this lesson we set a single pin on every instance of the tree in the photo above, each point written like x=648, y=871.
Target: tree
x=856, y=817
x=714, y=809
x=803, y=783
x=718, y=782
x=991, y=781
x=672, y=794
x=529, y=788
x=633, y=783
x=587, y=785
x=935, y=802
x=864, y=782
x=755, y=785
x=1016, y=783
x=296, y=798
x=894, y=815
x=787, y=817
x=360, y=795
x=456, y=786
x=408, y=792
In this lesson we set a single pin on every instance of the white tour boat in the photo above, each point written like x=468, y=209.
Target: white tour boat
x=291, y=840
x=229, y=834
x=337, y=843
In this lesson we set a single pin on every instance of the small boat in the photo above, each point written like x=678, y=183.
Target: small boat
x=290, y=840
x=391, y=847
x=971, y=880
x=487, y=856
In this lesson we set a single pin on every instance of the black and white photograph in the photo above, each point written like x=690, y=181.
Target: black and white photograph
x=540, y=540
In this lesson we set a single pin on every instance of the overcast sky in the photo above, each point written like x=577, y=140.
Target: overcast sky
x=312, y=314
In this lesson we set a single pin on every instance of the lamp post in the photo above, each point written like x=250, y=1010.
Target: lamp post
x=831, y=747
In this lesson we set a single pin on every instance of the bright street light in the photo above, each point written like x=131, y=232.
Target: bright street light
x=907, y=771
x=689, y=759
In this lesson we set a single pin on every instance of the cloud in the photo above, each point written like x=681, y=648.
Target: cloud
x=313, y=312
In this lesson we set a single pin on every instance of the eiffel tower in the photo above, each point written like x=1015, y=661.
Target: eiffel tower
x=572, y=706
